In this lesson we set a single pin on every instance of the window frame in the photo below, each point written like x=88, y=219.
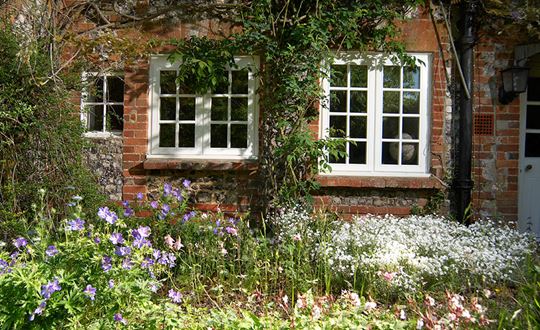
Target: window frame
x=86, y=78
x=202, y=121
x=374, y=140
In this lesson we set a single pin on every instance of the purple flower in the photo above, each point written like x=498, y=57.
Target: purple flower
x=116, y=238
x=20, y=242
x=118, y=318
x=232, y=231
x=140, y=196
x=167, y=259
x=128, y=212
x=156, y=254
x=127, y=264
x=76, y=225
x=39, y=310
x=97, y=240
x=122, y=251
x=90, y=292
x=106, y=264
x=165, y=208
x=139, y=243
x=125, y=203
x=48, y=289
x=141, y=232
x=186, y=183
x=188, y=216
x=111, y=284
x=167, y=189
x=153, y=287
x=107, y=215
x=154, y=204
x=3, y=266
x=51, y=251
x=147, y=262
x=176, y=297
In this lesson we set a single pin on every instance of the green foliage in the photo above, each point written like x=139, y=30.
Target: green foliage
x=40, y=137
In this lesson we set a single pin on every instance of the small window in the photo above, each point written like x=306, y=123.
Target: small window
x=221, y=123
x=381, y=108
x=102, y=103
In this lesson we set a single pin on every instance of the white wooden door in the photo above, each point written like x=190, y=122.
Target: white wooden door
x=529, y=164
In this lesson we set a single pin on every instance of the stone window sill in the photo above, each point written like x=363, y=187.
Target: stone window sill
x=200, y=165
x=430, y=182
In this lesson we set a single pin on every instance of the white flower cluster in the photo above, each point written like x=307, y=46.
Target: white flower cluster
x=406, y=252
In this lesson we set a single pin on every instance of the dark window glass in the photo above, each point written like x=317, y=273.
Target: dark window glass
x=358, y=101
x=187, y=108
x=95, y=117
x=359, y=75
x=167, y=82
x=391, y=76
x=391, y=102
x=186, y=135
x=338, y=126
x=239, y=82
x=411, y=102
x=390, y=153
x=358, y=126
x=357, y=153
x=220, y=108
x=218, y=135
x=533, y=89
x=338, y=101
x=338, y=76
x=338, y=159
x=115, y=117
x=532, y=145
x=410, y=128
x=411, y=77
x=239, y=106
x=115, y=85
x=238, y=136
x=390, y=127
x=166, y=135
x=167, y=108
x=409, y=154
x=223, y=85
x=533, y=117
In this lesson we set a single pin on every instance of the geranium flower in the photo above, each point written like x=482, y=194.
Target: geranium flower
x=118, y=318
x=48, y=289
x=90, y=292
x=167, y=189
x=154, y=204
x=127, y=264
x=176, y=297
x=186, y=183
x=106, y=264
x=107, y=215
x=169, y=240
x=122, y=251
x=111, y=283
x=116, y=238
x=76, y=225
x=39, y=310
x=20, y=242
x=140, y=196
x=51, y=251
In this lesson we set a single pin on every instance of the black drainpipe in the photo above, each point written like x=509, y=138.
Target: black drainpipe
x=463, y=184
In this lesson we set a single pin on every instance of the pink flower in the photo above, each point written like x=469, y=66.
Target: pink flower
x=297, y=237
x=388, y=276
x=169, y=241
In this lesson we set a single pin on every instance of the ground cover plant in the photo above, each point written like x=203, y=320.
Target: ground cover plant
x=155, y=263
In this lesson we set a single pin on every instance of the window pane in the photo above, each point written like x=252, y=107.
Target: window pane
x=532, y=145
x=187, y=108
x=338, y=126
x=359, y=75
x=339, y=159
x=167, y=108
x=533, y=89
x=409, y=154
x=533, y=117
x=218, y=136
x=239, y=107
x=238, y=136
x=223, y=85
x=338, y=76
x=166, y=135
x=115, y=85
x=220, y=109
x=95, y=117
x=411, y=102
x=338, y=101
x=115, y=117
x=411, y=77
x=391, y=76
x=391, y=102
x=390, y=151
x=358, y=101
x=357, y=153
x=239, y=81
x=186, y=135
x=410, y=128
x=358, y=126
x=391, y=127
x=186, y=87
x=167, y=82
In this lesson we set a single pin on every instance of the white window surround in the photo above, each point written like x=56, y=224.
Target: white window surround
x=372, y=164
x=203, y=117
x=104, y=103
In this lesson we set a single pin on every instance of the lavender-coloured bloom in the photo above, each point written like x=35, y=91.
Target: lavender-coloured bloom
x=111, y=284
x=139, y=243
x=153, y=287
x=127, y=264
x=106, y=263
x=102, y=212
x=232, y=231
x=154, y=204
x=75, y=225
x=20, y=242
x=156, y=254
x=4, y=266
x=97, y=240
x=51, y=251
x=128, y=212
x=186, y=183
x=14, y=257
x=122, y=251
x=48, y=289
x=167, y=189
x=165, y=208
x=90, y=292
x=176, y=297
x=116, y=238
x=147, y=262
x=140, y=196
x=141, y=232
x=125, y=203
x=39, y=310
x=107, y=215
x=118, y=318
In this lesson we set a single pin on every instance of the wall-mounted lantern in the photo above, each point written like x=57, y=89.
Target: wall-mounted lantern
x=514, y=82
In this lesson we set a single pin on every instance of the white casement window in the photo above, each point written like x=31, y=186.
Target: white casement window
x=102, y=103
x=221, y=124
x=382, y=109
